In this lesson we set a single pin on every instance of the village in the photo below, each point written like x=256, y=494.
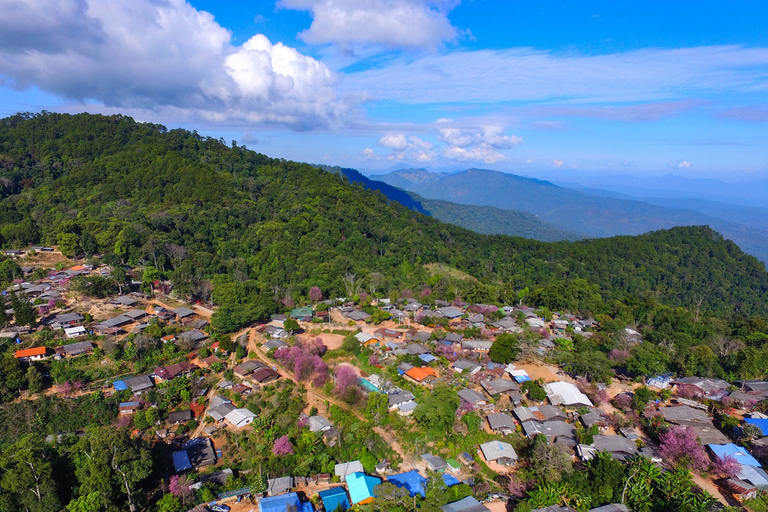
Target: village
x=401, y=349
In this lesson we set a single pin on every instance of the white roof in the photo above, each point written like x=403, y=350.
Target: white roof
x=494, y=450
x=347, y=468
x=362, y=337
x=74, y=332
x=566, y=393
x=238, y=416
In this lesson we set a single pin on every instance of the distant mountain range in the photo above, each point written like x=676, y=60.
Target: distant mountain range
x=572, y=211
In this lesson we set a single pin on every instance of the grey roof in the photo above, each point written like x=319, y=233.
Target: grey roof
x=708, y=434
x=65, y=318
x=591, y=418
x=532, y=428
x=450, y=312
x=421, y=336
x=347, y=468
x=175, y=416
x=135, y=314
x=358, y=315
x=404, y=366
x=524, y=414
x=220, y=412
x=279, y=485
x=615, y=444
x=753, y=385
x=476, y=345
x=183, y=312
x=684, y=413
x=274, y=344
x=499, y=421
x=218, y=400
x=552, y=411
x=558, y=429
x=755, y=476
x=139, y=383
x=318, y=423
x=125, y=300
x=497, y=386
x=247, y=367
x=400, y=398
x=416, y=349
x=613, y=507
x=453, y=337
x=194, y=335
x=463, y=364
x=115, y=322
x=495, y=450
x=80, y=347
x=435, y=463
x=706, y=385
x=471, y=396
x=468, y=504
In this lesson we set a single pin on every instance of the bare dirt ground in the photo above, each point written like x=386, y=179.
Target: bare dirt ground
x=45, y=260
x=332, y=341
x=496, y=506
x=546, y=372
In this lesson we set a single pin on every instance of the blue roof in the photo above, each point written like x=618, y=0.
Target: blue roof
x=410, y=480
x=129, y=404
x=280, y=503
x=181, y=461
x=368, y=385
x=361, y=486
x=427, y=358
x=333, y=498
x=449, y=480
x=760, y=423
x=522, y=378
x=119, y=385
x=737, y=452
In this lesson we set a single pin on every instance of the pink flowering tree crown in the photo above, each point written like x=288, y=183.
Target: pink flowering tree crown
x=282, y=446
x=726, y=467
x=680, y=446
x=179, y=487
x=315, y=295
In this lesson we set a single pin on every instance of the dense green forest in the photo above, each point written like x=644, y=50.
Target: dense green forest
x=265, y=230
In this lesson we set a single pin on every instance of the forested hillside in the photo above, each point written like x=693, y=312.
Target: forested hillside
x=264, y=230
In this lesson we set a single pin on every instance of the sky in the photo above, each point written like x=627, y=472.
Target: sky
x=535, y=87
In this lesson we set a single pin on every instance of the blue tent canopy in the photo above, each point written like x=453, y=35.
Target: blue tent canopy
x=181, y=461
x=119, y=385
x=334, y=498
x=411, y=480
x=449, y=480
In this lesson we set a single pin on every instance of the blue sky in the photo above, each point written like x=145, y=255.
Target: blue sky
x=539, y=88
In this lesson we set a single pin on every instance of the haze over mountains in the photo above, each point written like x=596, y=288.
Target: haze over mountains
x=589, y=214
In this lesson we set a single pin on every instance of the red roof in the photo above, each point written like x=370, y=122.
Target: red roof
x=29, y=352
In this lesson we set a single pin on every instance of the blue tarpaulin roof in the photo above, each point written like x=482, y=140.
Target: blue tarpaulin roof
x=427, y=358
x=522, y=378
x=737, y=452
x=411, y=480
x=284, y=502
x=449, y=480
x=760, y=423
x=334, y=498
x=361, y=486
x=181, y=461
x=119, y=385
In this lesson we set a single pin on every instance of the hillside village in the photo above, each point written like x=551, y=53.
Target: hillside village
x=482, y=374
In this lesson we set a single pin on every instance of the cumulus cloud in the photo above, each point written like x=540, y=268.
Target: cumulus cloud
x=480, y=144
x=388, y=23
x=412, y=148
x=368, y=154
x=249, y=140
x=679, y=164
x=557, y=163
x=163, y=56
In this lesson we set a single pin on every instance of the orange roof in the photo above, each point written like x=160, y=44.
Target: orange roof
x=419, y=374
x=29, y=352
x=77, y=267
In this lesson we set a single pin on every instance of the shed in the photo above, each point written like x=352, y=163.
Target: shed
x=347, y=468
x=280, y=485
x=434, y=462
x=181, y=461
x=334, y=498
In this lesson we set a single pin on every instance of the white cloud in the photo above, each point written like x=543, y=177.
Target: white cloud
x=481, y=144
x=163, y=56
x=679, y=164
x=524, y=74
x=557, y=163
x=404, y=147
x=528, y=161
x=368, y=154
x=388, y=23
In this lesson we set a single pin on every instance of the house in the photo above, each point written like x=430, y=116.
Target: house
x=284, y=502
x=77, y=349
x=619, y=447
x=69, y=318
x=565, y=393
x=319, y=424
x=452, y=337
x=683, y=414
x=136, y=314
x=31, y=354
x=503, y=387
x=740, y=489
x=434, y=462
x=246, y=367
x=128, y=407
x=113, y=323
x=558, y=429
x=396, y=400
x=200, y=451
x=411, y=481
x=406, y=409
x=175, y=417
x=754, y=476
x=462, y=365
x=225, y=384
x=139, y=383
x=242, y=389
x=166, y=373
x=366, y=339
x=334, y=498
x=75, y=332
x=389, y=333
x=592, y=418
x=416, y=349
x=450, y=312
x=421, y=375
x=499, y=452
x=219, y=400
x=358, y=316
x=275, y=332
x=265, y=375
x=662, y=381
x=239, y=418
x=220, y=413
x=181, y=461
x=476, y=345
x=361, y=487
x=125, y=300
x=551, y=413
x=274, y=344
x=739, y=454
x=472, y=397
x=704, y=386
x=420, y=336
x=468, y=504
x=526, y=414
x=280, y=485
x=194, y=336
x=503, y=423
x=532, y=428
x=182, y=312
x=347, y=468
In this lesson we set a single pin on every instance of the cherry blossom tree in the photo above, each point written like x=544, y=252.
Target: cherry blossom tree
x=347, y=383
x=179, y=487
x=426, y=292
x=726, y=467
x=680, y=446
x=315, y=295
x=282, y=446
x=618, y=355
x=373, y=360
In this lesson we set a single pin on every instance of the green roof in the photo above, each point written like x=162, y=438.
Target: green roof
x=453, y=463
x=301, y=312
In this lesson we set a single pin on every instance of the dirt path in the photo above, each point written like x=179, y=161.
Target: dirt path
x=253, y=346
x=710, y=486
